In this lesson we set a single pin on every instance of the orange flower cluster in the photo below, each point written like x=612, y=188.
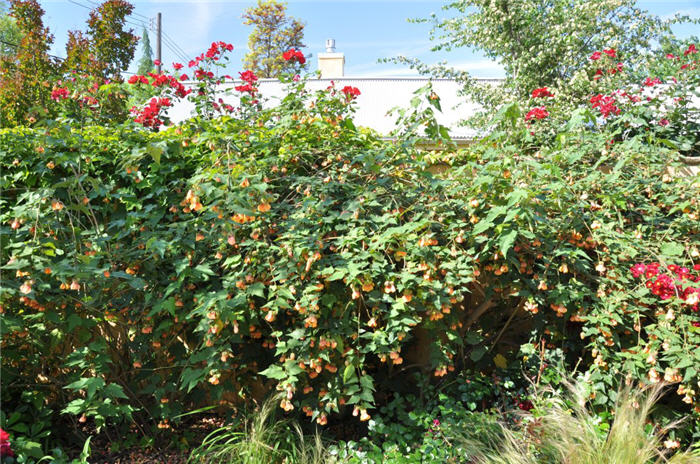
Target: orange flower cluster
x=191, y=202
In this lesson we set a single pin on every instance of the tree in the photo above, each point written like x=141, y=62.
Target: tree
x=25, y=90
x=542, y=42
x=146, y=61
x=106, y=49
x=9, y=32
x=274, y=33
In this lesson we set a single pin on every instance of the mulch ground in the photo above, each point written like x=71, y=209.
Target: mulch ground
x=137, y=456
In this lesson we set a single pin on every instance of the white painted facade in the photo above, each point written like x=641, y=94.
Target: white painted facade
x=378, y=97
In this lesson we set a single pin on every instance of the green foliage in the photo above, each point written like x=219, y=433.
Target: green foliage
x=107, y=48
x=25, y=75
x=263, y=439
x=273, y=34
x=564, y=430
x=540, y=42
x=420, y=425
x=10, y=35
x=146, y=60
x=254, y=249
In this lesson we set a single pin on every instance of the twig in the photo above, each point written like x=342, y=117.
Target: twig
x=505, y=326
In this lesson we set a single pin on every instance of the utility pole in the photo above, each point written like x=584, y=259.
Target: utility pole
x=158, y=40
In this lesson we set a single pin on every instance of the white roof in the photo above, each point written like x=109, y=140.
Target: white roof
x=377, y=97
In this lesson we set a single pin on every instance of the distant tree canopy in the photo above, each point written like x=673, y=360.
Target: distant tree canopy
x=106, y=48
x=25, y=74
x=541, y=42
x=146, y=60
x=274, y=33
x=10, y=35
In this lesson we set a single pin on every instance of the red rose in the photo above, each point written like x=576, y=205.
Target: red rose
x=691, y=49
x=246, y=88
x=350, y=92
x=542, y=92
x=59, y=94
x=595, y=56
x=248, y=76
x=610, y=52
x=605, y=104
x=177, y=66
x=293, y=54
x=538, y=112
x=5, y=449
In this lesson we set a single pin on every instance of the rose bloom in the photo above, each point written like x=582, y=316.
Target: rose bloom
x=350, y=92
x=595, y=56
x=5, y=449
x=538, y=112
x=248, y=76
x=542, y=92
x=293, y=54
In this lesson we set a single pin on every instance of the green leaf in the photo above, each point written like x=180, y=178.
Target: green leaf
x=477, y=353
x=274, y=372
x=506, y=241
x=672, y=249
x=348, y=373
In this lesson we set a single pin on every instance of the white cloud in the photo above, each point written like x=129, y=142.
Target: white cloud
x=201, y=22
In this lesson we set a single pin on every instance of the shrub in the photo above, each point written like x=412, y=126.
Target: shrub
x=565, y=430
x=250, y=250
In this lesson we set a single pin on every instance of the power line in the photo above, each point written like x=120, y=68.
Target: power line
x=48, y=54
x=169, y=42
x=132, y=13
x=174, y=48
x=10, y=44
x=182, y=52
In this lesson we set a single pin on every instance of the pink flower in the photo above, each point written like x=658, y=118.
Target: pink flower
x=157, y=62
x=595, y=56
x=5, y=449
x=663, y=122
x=177, y=66
x=670, y=56
x=616, y=69
x=538, y=112
x=610, y=52
x=541, y=93
x=691, y=49
x=59, y=94
x=649, y=82
x=637, y=270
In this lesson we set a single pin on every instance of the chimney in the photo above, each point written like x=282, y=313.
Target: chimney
x=331, y=63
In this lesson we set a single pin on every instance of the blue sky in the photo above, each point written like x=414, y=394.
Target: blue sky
x=365, y=30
